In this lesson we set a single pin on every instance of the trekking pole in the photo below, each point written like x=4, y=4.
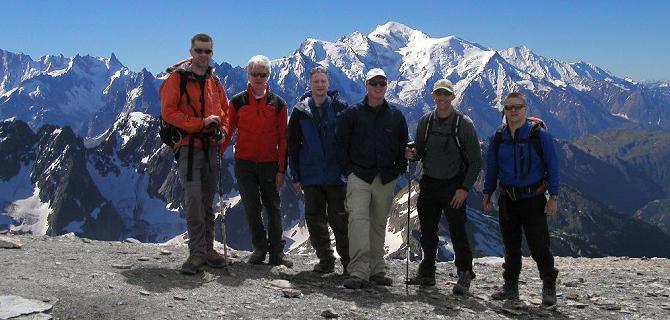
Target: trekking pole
x=409, y=201
x=222, y=216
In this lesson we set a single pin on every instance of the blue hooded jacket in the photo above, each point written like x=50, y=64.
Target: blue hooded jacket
x=518, y=164
x=311, y=142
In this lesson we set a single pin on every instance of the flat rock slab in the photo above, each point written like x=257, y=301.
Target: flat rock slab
x=291, y=293
x=14, y=306
x=122, y=266
x=8, y=243
x=281, y=284
x=34, y=316
x=329, y=314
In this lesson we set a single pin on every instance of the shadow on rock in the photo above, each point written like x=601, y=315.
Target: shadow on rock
x=240, y=271
x=520, y=310
x=160, y=280
x=395, y=296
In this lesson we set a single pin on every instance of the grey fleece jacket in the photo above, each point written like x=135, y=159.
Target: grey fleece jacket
x=439, y=153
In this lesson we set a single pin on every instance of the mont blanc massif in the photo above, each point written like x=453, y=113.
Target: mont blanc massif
x=80, y=151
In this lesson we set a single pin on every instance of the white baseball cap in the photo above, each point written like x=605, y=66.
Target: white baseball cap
x=376, y=72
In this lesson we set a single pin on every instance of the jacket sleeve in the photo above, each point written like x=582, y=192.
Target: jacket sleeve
x=403, y=138
x=343, y=141
x=419, y=140
x=491, y=177
x=282, y=143
x=473, y=154
x=224, y=125
x=294, y=144
x=551, y=161
x=232, y=125
x=170, y=110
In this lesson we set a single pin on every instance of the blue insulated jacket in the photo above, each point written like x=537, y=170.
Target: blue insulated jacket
x=372, y=141
x=311, y=142
x=517, y=164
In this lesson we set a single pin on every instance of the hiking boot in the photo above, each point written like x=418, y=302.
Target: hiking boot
x=420, y=280
x=257, y=257
x=215, y=259
x=353, y=282
x=324, y=267
x=549, y=292
x=193, y=265
x=381, y=279
x=280, y=260
x=509, y=291
x=425, y=275
x=345, y=270
x=462, y=286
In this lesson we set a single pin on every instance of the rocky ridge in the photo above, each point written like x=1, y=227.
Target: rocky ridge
x=88, y=279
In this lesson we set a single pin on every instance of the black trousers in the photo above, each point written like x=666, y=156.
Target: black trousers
x=434, y=199
x=527, y=214
x=256, y=181
x=324, y=205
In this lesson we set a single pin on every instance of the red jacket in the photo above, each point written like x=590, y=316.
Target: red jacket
x=261, y=127
x=190, y=117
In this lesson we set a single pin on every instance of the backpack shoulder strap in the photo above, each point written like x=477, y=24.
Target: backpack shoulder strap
x=534, y=138
x=239, y=100
x=498, y=137
x=455, y=132
x=276, y=100
x=428, y=125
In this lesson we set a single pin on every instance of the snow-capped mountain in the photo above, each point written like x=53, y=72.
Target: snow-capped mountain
x=81, y=153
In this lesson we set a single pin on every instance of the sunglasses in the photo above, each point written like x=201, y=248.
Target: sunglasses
x=319, y=69
x=201, y=51
x=442, y=92
x=374, y=83
x=510, y=107
x=258, y=74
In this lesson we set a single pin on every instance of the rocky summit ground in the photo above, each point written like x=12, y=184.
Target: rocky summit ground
x=84, y=279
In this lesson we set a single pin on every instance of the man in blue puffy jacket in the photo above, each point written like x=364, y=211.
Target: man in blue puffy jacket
x=314, y=169
x=522, y=160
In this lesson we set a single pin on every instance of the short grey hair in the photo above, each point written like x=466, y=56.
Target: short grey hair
x=259, y=60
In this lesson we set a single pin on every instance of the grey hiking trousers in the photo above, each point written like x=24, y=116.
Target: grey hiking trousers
x=199, y=198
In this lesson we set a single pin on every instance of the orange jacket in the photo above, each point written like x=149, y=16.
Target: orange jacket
x=261, y=128
x=178, y=112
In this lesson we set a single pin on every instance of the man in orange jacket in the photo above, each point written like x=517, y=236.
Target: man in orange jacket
x=199, y=110
x=260, y=117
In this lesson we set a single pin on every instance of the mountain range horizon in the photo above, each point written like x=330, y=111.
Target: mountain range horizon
x=79, y=139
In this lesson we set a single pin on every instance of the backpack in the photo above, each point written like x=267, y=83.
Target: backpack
x=455, y=129
x=533, y=138
x=172, y=135
x=169, y=134
x=242, y=99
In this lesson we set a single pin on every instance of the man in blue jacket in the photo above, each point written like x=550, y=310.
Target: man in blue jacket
x=314, y=169
x=371, y=136
x=521, y=157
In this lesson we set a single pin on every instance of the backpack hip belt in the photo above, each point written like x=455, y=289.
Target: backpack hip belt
x=515, y=193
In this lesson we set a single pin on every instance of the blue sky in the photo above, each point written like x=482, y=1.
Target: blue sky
x=629, y=38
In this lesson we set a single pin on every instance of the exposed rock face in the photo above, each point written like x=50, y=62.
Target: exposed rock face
x=80, y=281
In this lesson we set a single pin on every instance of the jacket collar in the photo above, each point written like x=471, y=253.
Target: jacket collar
x=384, y=105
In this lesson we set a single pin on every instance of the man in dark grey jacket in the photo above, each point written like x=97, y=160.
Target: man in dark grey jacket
x=448, y=146
x=371, y=138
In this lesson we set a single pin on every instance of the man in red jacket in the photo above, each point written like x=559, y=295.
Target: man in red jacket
x=260, y=117
x=200, y=112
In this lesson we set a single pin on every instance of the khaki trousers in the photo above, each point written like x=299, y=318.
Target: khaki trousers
x=368, y=206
